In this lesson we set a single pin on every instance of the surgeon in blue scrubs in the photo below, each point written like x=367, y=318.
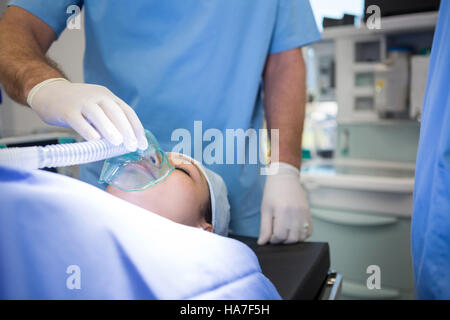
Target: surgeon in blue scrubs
x=165, y=65
x=431, y=216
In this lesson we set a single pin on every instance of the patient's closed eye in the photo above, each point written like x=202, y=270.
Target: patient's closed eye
x=183, y=170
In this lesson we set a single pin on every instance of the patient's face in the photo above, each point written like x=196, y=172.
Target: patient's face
x=181, y=197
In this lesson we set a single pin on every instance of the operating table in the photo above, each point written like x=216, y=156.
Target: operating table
x=298, y=271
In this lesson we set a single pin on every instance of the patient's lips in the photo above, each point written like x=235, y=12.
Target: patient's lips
x=142, y=167
x=137, y=165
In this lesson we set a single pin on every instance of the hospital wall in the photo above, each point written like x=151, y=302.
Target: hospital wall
x=67, y=52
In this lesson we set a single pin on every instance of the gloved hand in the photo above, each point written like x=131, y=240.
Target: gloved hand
x=285, y=215
x=91, y=110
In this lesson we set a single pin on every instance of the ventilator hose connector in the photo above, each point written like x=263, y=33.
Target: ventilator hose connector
x=60, y=155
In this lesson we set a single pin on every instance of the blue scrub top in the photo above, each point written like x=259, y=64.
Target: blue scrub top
x=431, y=216
x=176, y=62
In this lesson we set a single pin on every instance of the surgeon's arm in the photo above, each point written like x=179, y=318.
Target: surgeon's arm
x=285, y=215
x=91, y=110
x=24, y=40
x=284, y=101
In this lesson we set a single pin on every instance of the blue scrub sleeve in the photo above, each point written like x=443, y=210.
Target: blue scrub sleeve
x=52, y=12
x=430, y=236
x=295, y=26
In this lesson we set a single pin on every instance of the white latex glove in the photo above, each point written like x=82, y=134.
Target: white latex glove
x=91, y=110
x=285, y=215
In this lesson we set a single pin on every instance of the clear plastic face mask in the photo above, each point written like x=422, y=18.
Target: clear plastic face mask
x=138, y=170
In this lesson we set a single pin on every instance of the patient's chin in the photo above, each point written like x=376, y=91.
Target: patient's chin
x=110, y=189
